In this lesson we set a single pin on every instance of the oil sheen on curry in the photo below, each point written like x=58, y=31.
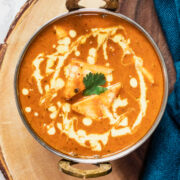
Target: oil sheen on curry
x=90, y=85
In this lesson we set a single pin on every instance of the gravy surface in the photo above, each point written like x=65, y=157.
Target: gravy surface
x=52, y=73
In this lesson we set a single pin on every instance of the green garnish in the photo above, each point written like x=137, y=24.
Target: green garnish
x=93, y=83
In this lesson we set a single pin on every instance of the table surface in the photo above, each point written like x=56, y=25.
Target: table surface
x=8, y=11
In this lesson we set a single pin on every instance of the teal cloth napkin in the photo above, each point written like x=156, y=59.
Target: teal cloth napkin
x=163, y=157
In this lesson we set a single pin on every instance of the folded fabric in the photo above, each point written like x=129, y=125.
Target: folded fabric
x=163, y=157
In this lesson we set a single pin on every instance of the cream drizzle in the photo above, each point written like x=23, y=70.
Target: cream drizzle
x=37, y=74
x=25, y=91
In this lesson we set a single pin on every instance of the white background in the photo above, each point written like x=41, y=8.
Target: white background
x=8, y=11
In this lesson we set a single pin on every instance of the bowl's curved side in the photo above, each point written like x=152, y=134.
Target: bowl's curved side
x=122, y=153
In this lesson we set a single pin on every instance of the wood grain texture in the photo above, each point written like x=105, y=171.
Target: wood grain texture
x=3, y=48
x=4, y=168
x=23, y=157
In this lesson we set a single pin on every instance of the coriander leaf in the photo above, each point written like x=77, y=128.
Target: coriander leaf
x=95, y=90
x=93, y=82
x=92, y=79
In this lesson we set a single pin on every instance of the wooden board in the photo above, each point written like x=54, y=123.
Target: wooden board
x=21, y=156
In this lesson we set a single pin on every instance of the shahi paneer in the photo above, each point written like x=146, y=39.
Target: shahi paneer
x=90, y=85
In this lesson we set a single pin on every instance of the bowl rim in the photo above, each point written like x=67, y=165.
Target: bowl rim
x=118, y=154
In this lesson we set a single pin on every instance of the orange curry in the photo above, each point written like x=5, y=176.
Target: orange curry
x=77, y=50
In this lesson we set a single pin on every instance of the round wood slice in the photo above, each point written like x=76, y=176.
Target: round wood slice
x=21, y=156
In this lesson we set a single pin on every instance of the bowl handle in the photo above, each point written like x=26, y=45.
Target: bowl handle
x=110, y=5
x=66, y=167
